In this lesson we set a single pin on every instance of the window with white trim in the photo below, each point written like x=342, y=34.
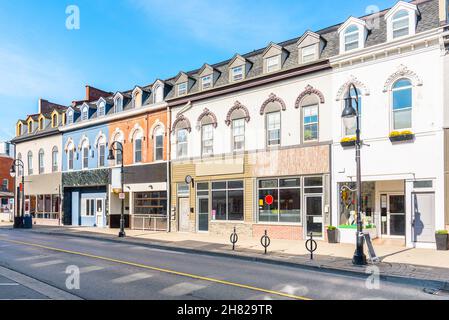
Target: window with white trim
x=70, y=157
x=85, y=114
x=402, y=104
x=158, y=144
x=30, y=163
x=85, y=155
x=54, y=159
x=70, y=117
x=238, y=134
x=401, y=24
x=182, y=89
x=181, y=143
x=118, y=104
x=102, y=109
x=273, y=63
x=206, y=82
x=227, y=200
x=351, y=38
x=309, y=54
x=274, y=128
x=41, y=161
x=310, y=123
x=138, y=139
x=237, y=73
x=101, y=154
x=159, y=94
x=352, y=131
x=207, y=139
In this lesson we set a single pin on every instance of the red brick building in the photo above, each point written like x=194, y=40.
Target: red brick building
x=6, y=188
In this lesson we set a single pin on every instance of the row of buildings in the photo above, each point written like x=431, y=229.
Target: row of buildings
x=260, y=139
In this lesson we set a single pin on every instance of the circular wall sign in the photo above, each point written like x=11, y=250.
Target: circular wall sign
x=189, y=179
x=269, y=200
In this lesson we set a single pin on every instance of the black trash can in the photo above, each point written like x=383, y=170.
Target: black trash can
x=28, y=222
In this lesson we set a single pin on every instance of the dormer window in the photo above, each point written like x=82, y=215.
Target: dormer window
x=54, y=121
x=85, y=114
x=30, y=127
x=70, y=117
x=309, y=54
x=273, y=63
x=352, y=38
x=101, y=109
x=118, y=104
x=237, y=73
x=41, y=124
x=401, y=20
x=401, y=24
x=206, y=82
x=182, y=89
x=159, y=94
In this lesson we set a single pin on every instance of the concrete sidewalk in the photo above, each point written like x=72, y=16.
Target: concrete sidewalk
x=429, y=267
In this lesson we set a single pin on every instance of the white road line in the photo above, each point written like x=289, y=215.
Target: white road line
x=32, y=258
x=47, y=263
x=132, y=278
x=181, y=289
x=8, y=284
x=90, y=269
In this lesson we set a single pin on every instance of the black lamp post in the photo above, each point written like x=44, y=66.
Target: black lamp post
x=350, y=118
x=18, y=219
x=118, y=146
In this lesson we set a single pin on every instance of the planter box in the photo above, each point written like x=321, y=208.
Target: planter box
x=401, y=138
x=442, y=241
x=332, y=236
x=347, y=144
x=348, y=235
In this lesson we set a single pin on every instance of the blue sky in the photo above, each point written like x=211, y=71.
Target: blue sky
x=123, y=43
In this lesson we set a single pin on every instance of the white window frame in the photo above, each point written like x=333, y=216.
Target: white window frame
x=400, y=19
x=70, y=117
x=305, y=54
x=102, y=109
x=85, y=114
x=70, y=158
x=138, y=136
x=312, y=107
x=178, y=144
x=238, y=76
x=182, y=92
x=84, y=156
x=268, y=130
x=273, y=64
x=409, y=108
x=234, y=135
x=102, y=154
x=54, y=159
x=158, y=132
x=159, y=94
x=40, y=160
x=347, y=34
x=30, y=163
x=205, y=85
x=204, y=140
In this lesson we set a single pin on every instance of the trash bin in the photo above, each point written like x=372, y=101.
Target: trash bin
x=28, y=222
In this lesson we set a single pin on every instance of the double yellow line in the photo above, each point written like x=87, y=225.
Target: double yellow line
x=182, y=274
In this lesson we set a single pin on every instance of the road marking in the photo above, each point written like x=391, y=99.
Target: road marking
x=90, y=269
x=8, y=284
x=132, y=278
x=32, y=258
x=181, y=289
x=147, y=267
x=47, y=263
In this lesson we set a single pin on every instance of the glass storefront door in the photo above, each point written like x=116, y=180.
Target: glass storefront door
x=203, y=214
x=393, y=215
x=314, y=215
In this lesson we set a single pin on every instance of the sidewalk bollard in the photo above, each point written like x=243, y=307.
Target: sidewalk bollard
x=311, y=245
x=234, y=238
x=265, y=241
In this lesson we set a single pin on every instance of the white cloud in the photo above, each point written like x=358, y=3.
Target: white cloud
x=222, y=23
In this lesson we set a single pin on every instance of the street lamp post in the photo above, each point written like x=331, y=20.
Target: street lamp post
x=350, y=118
x=18, y=220
x=118, y=146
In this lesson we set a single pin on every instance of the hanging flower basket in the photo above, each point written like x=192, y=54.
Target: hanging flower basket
x=348, y=142
x=401, y=136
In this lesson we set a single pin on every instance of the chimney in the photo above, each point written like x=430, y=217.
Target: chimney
x=39, y=106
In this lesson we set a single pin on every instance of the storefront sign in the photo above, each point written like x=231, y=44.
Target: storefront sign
x=269, y=200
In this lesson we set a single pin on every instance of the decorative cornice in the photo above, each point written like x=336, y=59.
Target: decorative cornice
x=237, y=106
x=402, y=72
x=116, y=136
x=273, y=98
x=357, y=83
x=155, y=125
x=136, y=128
x=179, y=119
x=83, y=138
x=206, y=113
x=98, y=137
x=309, y=90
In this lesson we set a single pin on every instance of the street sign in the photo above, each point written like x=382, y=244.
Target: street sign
x=122, y=196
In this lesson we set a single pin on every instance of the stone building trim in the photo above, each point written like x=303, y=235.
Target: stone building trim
x=180, y=118
x=272, y=99
x=402, y=72
x=309, y=90
x=237, y=106
x=207, y=113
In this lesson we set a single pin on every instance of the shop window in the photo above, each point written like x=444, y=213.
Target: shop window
x=150, y=203
x=227, y=201
x=88, y=209
x=280, y=200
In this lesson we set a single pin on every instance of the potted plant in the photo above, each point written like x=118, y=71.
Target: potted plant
x=442, y=240
x=348, y=142
x=400, y=136
x=332, y=234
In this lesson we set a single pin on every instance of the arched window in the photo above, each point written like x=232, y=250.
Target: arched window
x=101, y=152
x=101, y=109
x=238, y=119
x=54, y=121
x=118, y=153
x=352, y=131
x=158, y=139
x=85, y=154
x=310, y=118
x=351, y=38
x=30, y=163
x=54, y=159
x=19, y=156
x=41, y=161
x=118, y=104
x=70, y=156
x=85, y=114
x=402, y=104
x=401, y=24
x=159, y=94
x=70, y=117
x=137, y=141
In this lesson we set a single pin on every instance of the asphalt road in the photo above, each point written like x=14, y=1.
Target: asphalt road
x=130, y=272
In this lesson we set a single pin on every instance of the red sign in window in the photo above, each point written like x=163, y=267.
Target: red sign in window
x=269, y=200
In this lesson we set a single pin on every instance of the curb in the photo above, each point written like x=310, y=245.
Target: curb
x=419, y=282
